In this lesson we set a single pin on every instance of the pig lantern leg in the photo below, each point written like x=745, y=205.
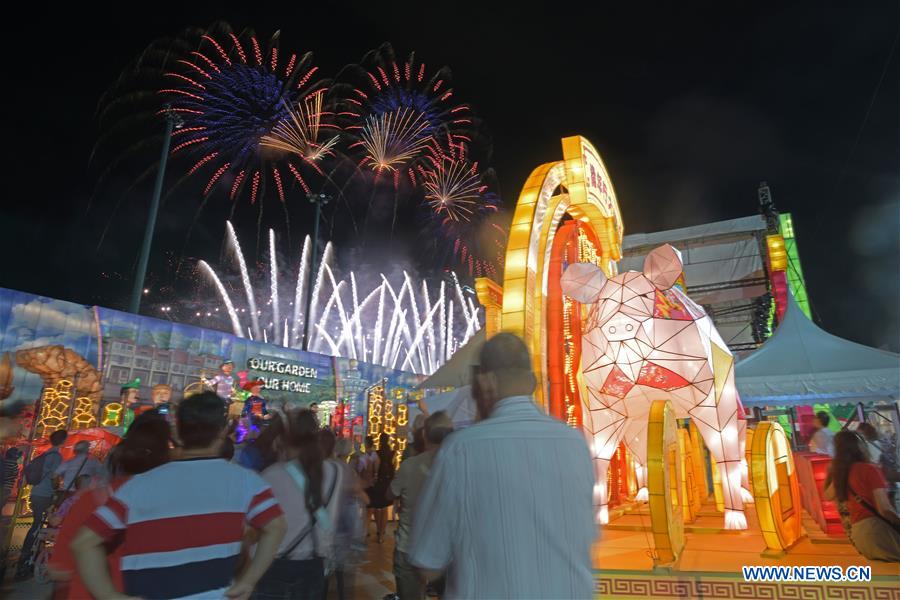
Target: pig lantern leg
x=636, y=440
x=610, y=427
x=718, y=424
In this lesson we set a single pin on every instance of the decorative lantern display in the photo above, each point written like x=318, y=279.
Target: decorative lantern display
x=645, y=340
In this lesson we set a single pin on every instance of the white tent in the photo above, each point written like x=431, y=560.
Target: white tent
x=458, y=404
x=802, y=364
x=457, y=371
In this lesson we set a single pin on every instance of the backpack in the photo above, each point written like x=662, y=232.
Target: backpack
x=34, y=471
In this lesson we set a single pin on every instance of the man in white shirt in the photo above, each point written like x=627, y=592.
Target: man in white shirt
x=507, y=509
x=80, y=464
x=822, y=441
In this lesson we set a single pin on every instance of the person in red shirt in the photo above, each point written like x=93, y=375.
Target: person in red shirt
x=146, y=445
x=183, y=522
x=861, y=487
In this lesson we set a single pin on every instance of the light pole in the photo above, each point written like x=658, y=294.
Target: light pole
x=172, y=122
x=319, y=200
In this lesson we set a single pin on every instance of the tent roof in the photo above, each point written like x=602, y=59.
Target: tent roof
x=457, y=403
x=802, y=363
x=457, y=371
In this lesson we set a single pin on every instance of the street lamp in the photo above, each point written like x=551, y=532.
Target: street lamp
x=173, y=121
x=319, y=200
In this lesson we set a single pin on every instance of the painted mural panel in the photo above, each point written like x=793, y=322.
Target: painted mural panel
x=101, y=349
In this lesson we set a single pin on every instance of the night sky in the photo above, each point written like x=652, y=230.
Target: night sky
x=690, y=108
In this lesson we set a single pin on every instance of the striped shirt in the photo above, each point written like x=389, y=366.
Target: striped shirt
x=507, y=508
x=183, y=523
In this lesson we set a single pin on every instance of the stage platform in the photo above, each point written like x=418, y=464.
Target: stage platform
x=710, y=565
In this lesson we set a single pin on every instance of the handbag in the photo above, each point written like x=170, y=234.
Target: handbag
x=862, y=502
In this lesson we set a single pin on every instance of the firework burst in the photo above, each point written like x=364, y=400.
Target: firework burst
x=393, y=139
x=236, y=98
x=462, y=217
x=299, y=133
x=453, y=186
x=396, y=111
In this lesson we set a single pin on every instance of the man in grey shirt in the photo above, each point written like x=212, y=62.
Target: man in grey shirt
x=507, y=508
x=80, y=464
x=41, y=498
x=406, y=486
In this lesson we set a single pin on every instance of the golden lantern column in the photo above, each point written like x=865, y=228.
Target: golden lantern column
x=490, y=295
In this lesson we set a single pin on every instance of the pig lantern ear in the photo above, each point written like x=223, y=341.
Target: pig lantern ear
x=663, y=266
x=582, y=282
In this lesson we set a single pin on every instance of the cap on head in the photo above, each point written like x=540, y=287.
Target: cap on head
x=82, y=447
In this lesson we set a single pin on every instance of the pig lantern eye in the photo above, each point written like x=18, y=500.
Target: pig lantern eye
x=612, y=328
x=629, y=327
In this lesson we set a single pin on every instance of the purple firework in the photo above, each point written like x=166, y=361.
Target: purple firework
x=230, y=94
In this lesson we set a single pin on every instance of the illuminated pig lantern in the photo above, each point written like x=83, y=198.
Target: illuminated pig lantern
x=645, y=340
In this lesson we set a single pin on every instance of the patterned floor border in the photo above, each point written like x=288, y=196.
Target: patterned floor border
x=686, y=585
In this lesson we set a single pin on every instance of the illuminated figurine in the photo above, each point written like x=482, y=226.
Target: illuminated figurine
x=223, y=383
x=161, y=394
x=130, y=399
x=255, y=405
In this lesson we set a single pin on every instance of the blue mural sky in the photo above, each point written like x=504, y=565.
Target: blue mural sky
x=28, y=321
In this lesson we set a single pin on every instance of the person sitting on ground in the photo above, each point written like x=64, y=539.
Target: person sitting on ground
x=80, y=464
x=822, y=440
x=308, y=488
x=406, y=487
x=508, y=505
x=199, y=505
x=859, y=485
x=145, y=446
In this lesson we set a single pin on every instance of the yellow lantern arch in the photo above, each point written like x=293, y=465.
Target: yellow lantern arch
x=579, y=185
x=775, y=487
x=665, y=482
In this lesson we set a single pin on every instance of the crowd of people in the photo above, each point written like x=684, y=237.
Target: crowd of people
x=502, y=508
x=181, y=511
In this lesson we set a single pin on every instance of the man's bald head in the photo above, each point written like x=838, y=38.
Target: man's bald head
x=504, y=371
x=504, y=352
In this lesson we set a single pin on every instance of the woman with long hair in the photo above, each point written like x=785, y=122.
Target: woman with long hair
x=860, y=486
x=378, y=497
x=145, y=447
x=308, y=490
